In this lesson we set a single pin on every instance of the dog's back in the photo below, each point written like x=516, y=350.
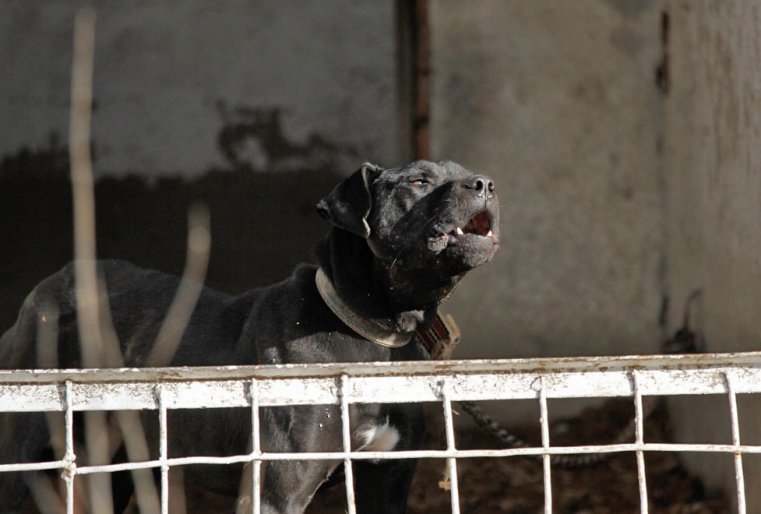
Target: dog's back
x=138, y=302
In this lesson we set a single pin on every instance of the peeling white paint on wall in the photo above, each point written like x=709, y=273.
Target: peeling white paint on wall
x=161, y=68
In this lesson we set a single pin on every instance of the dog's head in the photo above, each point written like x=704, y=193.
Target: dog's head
x=433, y=219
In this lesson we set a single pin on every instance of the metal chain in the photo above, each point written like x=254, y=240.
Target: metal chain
x=509, y=440
x=683, y=341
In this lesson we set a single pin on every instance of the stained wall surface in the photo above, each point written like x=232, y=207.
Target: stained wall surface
x=169, y=76
x=557, y=101
x=256, y=109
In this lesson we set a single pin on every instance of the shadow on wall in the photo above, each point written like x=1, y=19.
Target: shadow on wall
x=262, y=205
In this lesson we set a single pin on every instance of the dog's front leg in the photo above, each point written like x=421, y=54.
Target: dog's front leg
x=382, y=487
x=287, y=486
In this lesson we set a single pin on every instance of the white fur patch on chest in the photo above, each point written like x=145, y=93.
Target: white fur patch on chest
x=377, y=438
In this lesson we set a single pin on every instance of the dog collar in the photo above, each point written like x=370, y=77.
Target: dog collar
x=361, y=325
x=440, y=339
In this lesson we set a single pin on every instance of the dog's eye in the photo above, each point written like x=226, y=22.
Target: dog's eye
x=419, y=182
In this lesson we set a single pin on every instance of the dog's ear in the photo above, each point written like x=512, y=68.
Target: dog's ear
x=348, y=205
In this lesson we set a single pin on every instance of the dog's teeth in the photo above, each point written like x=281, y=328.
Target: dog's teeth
x=459, y=231
x=489, y=234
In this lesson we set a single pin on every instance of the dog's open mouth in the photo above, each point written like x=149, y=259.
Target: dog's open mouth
x=480, y=225
x=477, y=228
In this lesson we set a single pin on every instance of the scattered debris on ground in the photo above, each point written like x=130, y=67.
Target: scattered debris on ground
x=516, y=485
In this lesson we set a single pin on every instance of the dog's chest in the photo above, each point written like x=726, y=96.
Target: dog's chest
x=376, y=437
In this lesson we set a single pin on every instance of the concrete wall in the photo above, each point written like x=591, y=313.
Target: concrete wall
x=255, y=108
x=557, y=101
x=170, y=75
x=625, y=138
x=712, y=165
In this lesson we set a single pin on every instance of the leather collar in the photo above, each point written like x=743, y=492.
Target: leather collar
x=361, y=325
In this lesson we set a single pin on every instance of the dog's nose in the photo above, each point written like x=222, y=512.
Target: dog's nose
x=479, y=184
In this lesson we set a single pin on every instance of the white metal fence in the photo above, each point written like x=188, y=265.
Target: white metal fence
x=344, y=384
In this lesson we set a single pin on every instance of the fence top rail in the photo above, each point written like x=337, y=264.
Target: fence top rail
x=627, y=363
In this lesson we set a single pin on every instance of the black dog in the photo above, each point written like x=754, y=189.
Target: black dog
x=401, y=240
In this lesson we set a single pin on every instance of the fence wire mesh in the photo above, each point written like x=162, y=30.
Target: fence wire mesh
x=259, y=387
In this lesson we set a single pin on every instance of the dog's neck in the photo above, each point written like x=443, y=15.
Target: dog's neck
x=376, y=289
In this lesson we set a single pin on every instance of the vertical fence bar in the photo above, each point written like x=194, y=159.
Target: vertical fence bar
x=69, y=457
x=163, y=453
x=546, y=461
x=454, y=489
x=346, y=433
x=639, y=434
x=256, y=449
x=739, y=475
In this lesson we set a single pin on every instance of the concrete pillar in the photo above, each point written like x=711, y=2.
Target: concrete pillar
x=712, y=163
